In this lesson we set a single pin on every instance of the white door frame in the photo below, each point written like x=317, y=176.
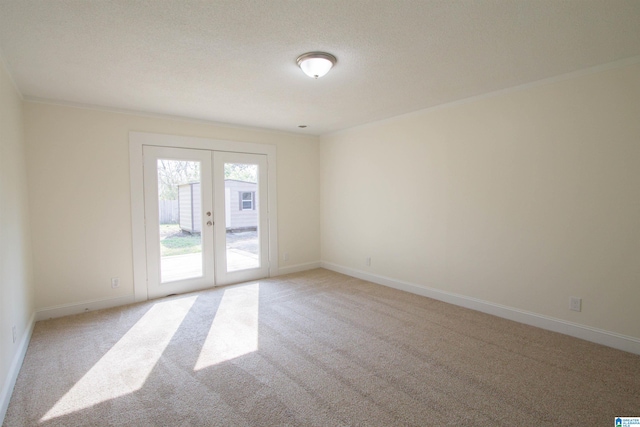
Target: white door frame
x=223, y=275
x=136, y=142
x=156, y=284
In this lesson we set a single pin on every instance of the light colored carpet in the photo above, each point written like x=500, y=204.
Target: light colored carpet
x=314, y=348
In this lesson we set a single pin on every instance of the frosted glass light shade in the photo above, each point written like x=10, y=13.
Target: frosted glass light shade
x=316, y=64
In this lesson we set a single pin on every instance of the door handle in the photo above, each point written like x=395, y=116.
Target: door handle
x=209, y=223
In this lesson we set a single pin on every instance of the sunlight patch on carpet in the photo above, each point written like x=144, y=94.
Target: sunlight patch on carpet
x=126, y=366
x=234, y=331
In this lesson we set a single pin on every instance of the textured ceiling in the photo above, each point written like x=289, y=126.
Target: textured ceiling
x=234, y=61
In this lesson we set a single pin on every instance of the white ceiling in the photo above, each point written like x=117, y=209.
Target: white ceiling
x=234, y=61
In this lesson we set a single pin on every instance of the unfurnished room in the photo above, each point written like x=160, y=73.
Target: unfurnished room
x=319, y=213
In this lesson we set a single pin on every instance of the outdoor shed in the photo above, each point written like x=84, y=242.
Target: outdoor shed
x=241, y=203
x=189, y=201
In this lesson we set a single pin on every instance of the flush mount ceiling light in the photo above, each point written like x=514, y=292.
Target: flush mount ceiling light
x=316, y=64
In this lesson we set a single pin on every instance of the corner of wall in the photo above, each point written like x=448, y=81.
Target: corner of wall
x=17, y=315
x=14, y=369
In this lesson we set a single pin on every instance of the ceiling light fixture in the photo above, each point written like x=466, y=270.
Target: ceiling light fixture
x=316, y=64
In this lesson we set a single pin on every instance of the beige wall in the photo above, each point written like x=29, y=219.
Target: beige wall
x=522, y=199
x=80, y=201
x=16, y=296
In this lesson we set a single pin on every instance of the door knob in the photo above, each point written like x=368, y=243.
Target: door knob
x=209, y=223
x=208, y=213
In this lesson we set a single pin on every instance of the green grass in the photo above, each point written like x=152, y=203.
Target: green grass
x=174, y=241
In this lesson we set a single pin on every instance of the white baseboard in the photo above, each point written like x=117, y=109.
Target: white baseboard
x=77, y=308
x=14, y=369
x=298, y=268
x=588, y=333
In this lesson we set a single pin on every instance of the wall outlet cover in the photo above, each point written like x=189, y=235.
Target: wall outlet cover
x=575, y=304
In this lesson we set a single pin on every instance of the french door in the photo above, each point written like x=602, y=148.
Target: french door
x=205, y=218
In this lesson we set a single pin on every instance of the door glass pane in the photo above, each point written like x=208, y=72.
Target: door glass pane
x=241, y=216
x=179, y=206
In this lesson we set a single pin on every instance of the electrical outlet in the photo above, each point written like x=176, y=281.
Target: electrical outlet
x=13, y=332
x=368, y=261
x=575, y=304
x=285, y=257
x=115, y=282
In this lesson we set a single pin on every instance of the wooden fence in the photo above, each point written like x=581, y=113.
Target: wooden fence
x=169, y=211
